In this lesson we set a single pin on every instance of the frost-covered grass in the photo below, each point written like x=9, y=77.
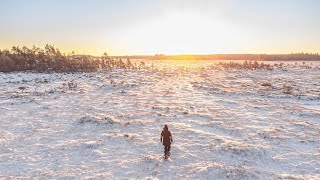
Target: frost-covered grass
x=226, y=124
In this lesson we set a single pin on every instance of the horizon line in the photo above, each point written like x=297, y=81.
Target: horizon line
x=163, y=54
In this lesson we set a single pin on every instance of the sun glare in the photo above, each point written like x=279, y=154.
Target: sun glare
x=171, y=33
x=180, y=33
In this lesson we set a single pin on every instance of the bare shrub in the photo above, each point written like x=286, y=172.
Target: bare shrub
x=245, y=65
x=287, y=89
x=22, y=88
x=266, y=84
x=72, y=85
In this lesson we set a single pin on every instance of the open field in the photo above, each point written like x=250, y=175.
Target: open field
x=226, y=123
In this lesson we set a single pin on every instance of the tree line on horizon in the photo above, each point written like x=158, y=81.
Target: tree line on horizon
x=50, y=59
x=253, y=57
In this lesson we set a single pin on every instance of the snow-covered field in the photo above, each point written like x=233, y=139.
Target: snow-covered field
x=226, y=124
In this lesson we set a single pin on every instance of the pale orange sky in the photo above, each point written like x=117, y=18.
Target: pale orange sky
x=167, y=27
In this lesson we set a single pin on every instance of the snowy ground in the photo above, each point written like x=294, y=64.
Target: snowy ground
x=226, y=124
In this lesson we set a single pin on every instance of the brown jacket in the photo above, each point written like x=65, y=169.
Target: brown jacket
x=166, y=138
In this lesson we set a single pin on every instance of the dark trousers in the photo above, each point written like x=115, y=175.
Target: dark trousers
x=167, y=148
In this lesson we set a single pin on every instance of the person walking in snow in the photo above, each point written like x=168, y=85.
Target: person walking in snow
x=166, y=139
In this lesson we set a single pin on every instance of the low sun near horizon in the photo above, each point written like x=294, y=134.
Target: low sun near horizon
x=163, y=27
